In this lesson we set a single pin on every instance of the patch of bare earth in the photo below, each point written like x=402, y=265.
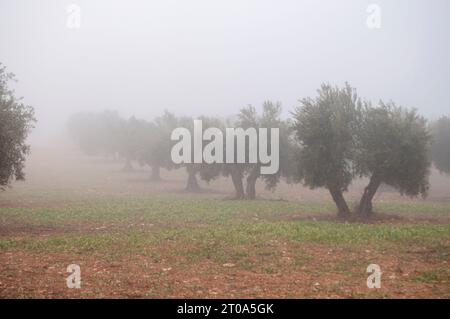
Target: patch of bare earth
x=299, y=271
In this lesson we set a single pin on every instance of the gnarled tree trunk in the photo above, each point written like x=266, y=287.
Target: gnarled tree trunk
x=236, y=178
x=365, y=208
x=338, y=198
x=251, y=183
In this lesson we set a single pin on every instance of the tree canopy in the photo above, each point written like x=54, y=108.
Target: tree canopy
x=331, y=140
x=393, y=148
x=16, y=120
x=325, y=128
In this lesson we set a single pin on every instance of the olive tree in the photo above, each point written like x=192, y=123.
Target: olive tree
x=156, y=143
x=325, y=129
x=99, y=133
x=270, y=118
x=341, y=138
x=16, y=120
x=393, y=148
x=130, y=140
x=249, y=118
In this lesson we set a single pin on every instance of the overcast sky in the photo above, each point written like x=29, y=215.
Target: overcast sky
x=212, y=57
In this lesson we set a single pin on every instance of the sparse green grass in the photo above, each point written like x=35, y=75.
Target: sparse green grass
x=172, y=211
x=414, y=208
x=253, y=235
x=160, y=210
x=433, y=276
x=207, y=223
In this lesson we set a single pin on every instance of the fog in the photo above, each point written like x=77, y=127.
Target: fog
x=214, y=57
x=161, y=165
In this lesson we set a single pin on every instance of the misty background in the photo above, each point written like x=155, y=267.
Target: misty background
x=202, y=57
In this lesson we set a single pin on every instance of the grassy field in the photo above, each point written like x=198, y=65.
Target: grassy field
x=133, y=238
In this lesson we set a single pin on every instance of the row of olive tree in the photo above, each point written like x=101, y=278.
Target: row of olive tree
x=149, y=143
x=342, y=137
x=330, y=141
x=249, y=173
